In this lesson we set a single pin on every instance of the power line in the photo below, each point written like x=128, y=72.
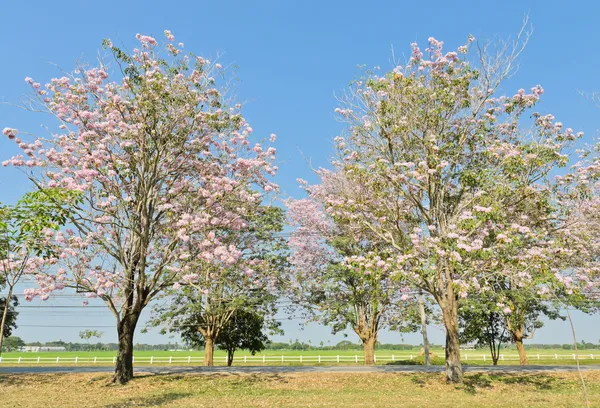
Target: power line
x=62, y=306
x=113, y=326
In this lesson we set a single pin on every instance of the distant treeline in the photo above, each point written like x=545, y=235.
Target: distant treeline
x=105, y=346
x=342, y=345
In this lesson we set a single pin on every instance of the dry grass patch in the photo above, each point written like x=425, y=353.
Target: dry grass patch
x=298, y=390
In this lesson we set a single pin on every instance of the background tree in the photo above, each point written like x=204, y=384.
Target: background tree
x=446, y=171
x=211, y=297
x=245, y=330
x=483, y=322
x=88, y=335
x=328, y=280
x=159, y=156
x=13, y=343
x=10, y=321
x=522, y=311
x=25, y=247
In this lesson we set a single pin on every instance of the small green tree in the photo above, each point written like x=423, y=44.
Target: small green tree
x=482, y=323
x=13, y=343
x=10, y=322
x=245, y=330
x=25, y=248
x=88, y=335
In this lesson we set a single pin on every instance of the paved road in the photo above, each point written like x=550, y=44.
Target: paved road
x=289, y=369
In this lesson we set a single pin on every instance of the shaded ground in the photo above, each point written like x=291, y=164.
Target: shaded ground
x=299, y=390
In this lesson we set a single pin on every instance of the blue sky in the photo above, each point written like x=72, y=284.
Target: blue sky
x=293, y=57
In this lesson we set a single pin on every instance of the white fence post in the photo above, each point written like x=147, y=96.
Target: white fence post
x=189, y=359
x=264, y=358
x=466, y=356
x=338, y=358
x=244, y=359
x=133, y=359
x=538, y=356
x=319, y=359
x=573, y=356
x=411, y=357
x=374, y=358
x=592, y=356
x=393, y=358
x=38, y=359
x=502, y=357
x=95, y=359
x=151, y=359
x=57, y=360
x=356, y=358
x=484, y=357
x=19, y=362
x=170, y=359
x=114, y=359
x=76, y=358
x=282, y=359
x=300, y=357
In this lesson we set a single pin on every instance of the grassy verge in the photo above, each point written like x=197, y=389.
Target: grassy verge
x=299, y=390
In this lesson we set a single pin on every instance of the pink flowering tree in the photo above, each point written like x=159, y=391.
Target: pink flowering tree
x=553, y=265
x=159, y=157
x=507, y=312
x=450, y=171
x=578, y=195
x=202, y=304
x=331, y=278
x=26, y=245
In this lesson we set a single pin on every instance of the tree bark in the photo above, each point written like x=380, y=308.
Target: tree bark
x=521, y=350
x=424, y=329
x=229, y=357
x=209, y=351
x=454, y=373
x=124, y=365
x=4, y=316
x=369, y=350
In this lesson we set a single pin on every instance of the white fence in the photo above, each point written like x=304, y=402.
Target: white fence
x=278, y=359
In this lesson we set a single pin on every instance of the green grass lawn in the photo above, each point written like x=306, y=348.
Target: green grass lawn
x=300, y=390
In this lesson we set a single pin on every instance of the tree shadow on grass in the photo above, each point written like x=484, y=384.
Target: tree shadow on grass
x=253, y=379
x=28, y=379
x=234, y=379
x=473, y=382
x=539, y=381
x=151, y=401
x=418, y=361
x=7, y=380
x=418, y=380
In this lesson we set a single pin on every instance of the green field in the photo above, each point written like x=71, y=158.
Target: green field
x=278, y=357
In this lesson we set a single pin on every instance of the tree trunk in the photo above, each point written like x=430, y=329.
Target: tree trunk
x=424, y=329
x=229, y=357
x=521, y=349
x=124, y=365
x=209, y=351
x=454, y=373
x=4, y=316
x=369, y=350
